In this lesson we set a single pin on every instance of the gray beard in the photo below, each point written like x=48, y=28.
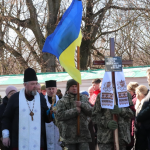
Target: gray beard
x=33, y=93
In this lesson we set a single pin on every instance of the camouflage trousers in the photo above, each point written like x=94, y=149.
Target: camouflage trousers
x=78, y=146
x=110, y=146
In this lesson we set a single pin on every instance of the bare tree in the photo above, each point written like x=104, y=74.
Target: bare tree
x=111, y=18
x=29, y=22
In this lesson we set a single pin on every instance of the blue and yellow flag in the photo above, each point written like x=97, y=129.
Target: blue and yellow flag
x=66, y=37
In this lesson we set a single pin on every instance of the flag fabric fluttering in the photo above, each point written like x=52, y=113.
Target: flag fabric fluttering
x=66, y=37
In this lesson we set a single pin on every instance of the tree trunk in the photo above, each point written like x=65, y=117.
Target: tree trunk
x=3, y=70
x=49, y=63
x=49, y=59
x=84, y=54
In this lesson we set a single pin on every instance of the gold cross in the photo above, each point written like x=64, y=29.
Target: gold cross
x=31, y=114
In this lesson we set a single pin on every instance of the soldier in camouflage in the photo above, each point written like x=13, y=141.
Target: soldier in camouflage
x=68, y=108
x=105, y=125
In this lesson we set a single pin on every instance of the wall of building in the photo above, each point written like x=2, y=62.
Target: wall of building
x=84, y=86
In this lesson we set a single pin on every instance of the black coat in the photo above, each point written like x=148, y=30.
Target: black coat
x=143, y=131
x=144, y=114
x=2, y=109
x=10, y=119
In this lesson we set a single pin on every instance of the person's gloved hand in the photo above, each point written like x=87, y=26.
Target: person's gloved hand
x=78, y=109
x=112, y=125
x=77, y=103
x=116, y=110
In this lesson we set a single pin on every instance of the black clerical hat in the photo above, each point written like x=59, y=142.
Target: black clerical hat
x=50, y=83
x=30, y=75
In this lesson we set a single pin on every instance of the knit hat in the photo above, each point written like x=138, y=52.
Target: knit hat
x=70, y=83
x=43, y=87
x=132, y=86
x=9, y=89
x=30, y=75
x=85, y=93
x=50, y=83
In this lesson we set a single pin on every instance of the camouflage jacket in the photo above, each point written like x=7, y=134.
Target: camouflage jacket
x=67, y=119
x=101, y=117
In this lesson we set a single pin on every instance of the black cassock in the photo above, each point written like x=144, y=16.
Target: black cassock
x=10, y=119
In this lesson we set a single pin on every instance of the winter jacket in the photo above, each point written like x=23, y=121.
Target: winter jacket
x=101, y=117
x=10, y=120
x=143, y=131
x=67, y=119
x=2, y=109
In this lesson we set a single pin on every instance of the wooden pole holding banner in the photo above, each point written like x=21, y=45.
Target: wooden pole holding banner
x=115, y=118
x=124, y=62
x=78, y=90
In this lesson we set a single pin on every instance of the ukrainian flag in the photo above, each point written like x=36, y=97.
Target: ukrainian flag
x=66, y=37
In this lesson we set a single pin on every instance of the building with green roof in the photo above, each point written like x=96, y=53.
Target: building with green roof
x=134, y=74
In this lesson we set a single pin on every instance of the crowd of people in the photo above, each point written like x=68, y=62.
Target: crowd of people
x=40, y=117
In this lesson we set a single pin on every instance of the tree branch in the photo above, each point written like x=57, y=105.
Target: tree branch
x=19, y=57
x=98, y=53
x=34, y=26
x=120, y=8
x=53, y=9
x=108, y=32
x=24, y=23
x=101, y=16
x=129, y=8
x=31, y=49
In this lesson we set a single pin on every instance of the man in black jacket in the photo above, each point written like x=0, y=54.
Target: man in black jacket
x=25, y=116
x=10, y=90
x=145, y=111
x=143, y=118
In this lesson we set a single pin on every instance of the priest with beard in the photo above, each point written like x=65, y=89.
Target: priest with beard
x=25, y=116
x=52, y=132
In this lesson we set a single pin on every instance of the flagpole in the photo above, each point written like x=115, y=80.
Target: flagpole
x=78, y=89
